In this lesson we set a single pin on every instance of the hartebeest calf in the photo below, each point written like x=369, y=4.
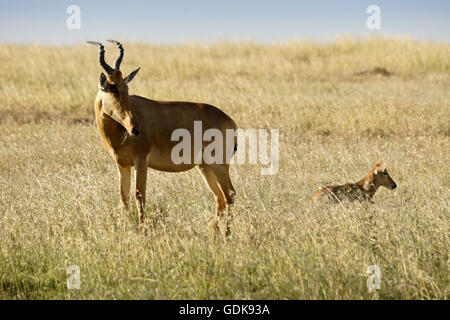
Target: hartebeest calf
x=362, y=190
x=137, y=132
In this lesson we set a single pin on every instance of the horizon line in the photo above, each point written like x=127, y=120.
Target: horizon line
x=281, y=41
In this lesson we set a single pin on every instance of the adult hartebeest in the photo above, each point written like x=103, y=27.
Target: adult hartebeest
x=137, y=132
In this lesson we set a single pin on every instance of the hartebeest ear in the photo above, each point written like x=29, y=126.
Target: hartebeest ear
x=377, y=166
x=103, y=82
x=130, y=77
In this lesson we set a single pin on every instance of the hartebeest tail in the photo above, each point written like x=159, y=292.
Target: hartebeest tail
x=363, y=190
x=137, y=133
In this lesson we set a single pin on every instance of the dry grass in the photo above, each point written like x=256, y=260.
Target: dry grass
x=58, y=185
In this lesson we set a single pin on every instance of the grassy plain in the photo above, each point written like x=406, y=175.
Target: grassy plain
x=59, y=187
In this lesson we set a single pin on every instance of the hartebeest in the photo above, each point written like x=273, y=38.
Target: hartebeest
x=362, y=190
x=137, y=132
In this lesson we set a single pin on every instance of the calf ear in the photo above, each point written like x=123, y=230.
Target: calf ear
x=130, y=77
x=103, y=82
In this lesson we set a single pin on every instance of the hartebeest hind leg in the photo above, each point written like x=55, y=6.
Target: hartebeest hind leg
x=140, y=168
x=125, y=184
x=218, y=181
x=211, y=180
x=221, y=171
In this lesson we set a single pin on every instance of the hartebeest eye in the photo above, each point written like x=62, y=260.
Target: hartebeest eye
x=112, y=88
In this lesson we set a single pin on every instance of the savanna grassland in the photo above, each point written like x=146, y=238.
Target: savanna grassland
x=340, y=107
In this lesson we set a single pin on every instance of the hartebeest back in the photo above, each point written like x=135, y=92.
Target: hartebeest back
x=137, y=133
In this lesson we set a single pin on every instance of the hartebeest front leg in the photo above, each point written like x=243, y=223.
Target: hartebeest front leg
x=140, y=167
x=125, y=184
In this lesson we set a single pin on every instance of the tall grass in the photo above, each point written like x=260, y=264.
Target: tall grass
x=59, y=189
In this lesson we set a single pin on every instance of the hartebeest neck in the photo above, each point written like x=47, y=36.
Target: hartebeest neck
x=112, y=132
x=369, y=184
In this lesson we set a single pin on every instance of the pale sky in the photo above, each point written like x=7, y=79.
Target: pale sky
x=175, y=21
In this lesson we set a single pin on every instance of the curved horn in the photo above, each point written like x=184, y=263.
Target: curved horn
x=120, y=56
x=101, y=57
